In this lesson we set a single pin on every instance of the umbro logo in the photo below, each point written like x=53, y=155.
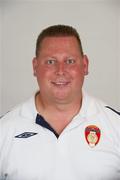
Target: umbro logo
x=26, y=135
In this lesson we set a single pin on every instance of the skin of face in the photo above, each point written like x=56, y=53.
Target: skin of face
x=60, y=69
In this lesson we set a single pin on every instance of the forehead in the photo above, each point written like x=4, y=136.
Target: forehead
x=66, y=39
x=57, y=43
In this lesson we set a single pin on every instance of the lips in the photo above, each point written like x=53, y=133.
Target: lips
x=60, y=83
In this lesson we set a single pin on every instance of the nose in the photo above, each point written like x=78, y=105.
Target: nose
x=60, y=68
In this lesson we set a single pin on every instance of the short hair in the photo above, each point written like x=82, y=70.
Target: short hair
x=57, y=31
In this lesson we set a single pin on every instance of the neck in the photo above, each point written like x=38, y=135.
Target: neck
x=58, y=115
x=58, y=108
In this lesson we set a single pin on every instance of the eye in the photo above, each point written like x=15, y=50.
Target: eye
x=50, y=61
x=70, y=61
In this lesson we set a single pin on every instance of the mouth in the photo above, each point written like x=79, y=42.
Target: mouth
x=61, y=83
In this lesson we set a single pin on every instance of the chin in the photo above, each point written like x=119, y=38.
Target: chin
x=60, y=97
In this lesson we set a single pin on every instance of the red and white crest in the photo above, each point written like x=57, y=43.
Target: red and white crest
x=92, y=135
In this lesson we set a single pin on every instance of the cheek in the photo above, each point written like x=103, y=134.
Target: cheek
x=43, y=74
x=78, y=77
x=77, y=72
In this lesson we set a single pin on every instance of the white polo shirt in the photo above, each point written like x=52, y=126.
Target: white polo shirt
x=87, y=149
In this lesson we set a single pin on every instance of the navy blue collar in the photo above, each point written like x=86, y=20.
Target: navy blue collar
x=42, y=122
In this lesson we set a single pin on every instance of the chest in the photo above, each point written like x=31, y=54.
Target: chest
x=43, y=156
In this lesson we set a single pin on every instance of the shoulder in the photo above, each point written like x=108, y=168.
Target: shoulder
x=112, y=109
x=100, y=107
x=18, y=113
x=10, y=116
x=106, y=108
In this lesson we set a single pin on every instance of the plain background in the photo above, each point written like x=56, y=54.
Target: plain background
x=98, y=23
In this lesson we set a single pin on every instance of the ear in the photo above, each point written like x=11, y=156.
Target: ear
x=85, y=64
x=35, y=65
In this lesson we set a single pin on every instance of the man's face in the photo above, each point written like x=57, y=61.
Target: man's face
x=60, y=69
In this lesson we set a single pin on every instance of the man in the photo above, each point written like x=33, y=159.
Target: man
x=62, y=133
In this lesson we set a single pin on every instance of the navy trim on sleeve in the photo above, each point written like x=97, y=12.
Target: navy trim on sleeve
x=113, y=110
x=41, y=121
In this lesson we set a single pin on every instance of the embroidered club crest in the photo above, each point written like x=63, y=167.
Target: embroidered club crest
x=92, y=135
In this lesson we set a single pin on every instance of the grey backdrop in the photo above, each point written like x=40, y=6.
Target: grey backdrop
x=98, y=23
